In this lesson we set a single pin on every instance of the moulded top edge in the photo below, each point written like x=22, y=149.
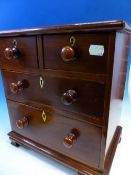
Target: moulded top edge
x=116, y=25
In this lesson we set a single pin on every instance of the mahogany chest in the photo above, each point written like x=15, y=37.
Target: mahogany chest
x=64, y=87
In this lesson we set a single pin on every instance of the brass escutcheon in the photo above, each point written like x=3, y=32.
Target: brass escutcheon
x=72, y=40
x=44, y=116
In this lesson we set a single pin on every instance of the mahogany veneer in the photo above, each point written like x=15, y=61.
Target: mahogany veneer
x=64, y=87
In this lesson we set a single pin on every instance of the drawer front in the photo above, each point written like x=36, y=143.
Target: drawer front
x=88, y=53
x=55, y=130
x=72, y=95
x=18, y=52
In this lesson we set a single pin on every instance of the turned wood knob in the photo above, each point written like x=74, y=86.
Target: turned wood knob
x=68, y=53
x=69, y=97
x=22, y=123
x=11, y=53
x=16, y=87
x=70, y=139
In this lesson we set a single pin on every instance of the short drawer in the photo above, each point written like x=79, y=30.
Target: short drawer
x=76, y=52
x=54, y=130
x=73, y=95
x=18, y=52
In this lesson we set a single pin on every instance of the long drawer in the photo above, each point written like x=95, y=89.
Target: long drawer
x=73, y=95
x=61, y=134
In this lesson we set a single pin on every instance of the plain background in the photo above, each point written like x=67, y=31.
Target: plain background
x=28, y=13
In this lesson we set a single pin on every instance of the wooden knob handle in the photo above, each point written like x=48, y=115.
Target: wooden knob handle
x=16, y=87
x=22, y=123
x=69, y=97
x=68, y=53
x=70, y=139
x=11, y=53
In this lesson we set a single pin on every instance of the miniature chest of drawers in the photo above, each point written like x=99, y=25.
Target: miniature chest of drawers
x=64, y=87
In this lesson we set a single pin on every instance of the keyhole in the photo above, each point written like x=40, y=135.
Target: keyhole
x=15, y=43
x=72, y=41
x=41, y=82
x=44, y=116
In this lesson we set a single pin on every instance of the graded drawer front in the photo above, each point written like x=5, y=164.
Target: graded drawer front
x=90, y=51
x=72, y=95
x=18, y=52
x=85, y=146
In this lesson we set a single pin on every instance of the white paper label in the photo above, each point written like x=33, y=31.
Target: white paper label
x=97, y=50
